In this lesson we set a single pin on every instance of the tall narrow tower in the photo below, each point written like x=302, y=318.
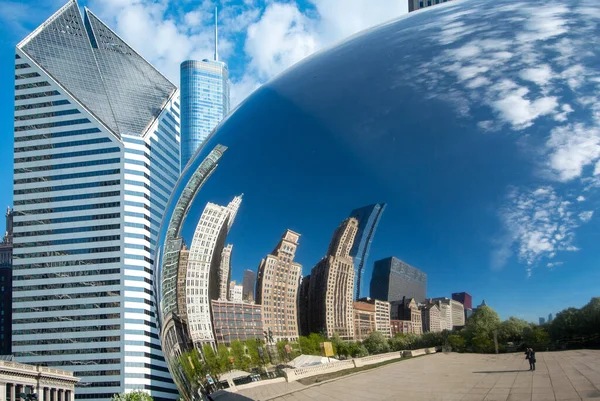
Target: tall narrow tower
x=204, y=100
x=96, y=157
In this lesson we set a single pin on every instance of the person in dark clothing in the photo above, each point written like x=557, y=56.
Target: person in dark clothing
x=530, y=356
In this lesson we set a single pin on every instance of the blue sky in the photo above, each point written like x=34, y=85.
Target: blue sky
x=259, y=39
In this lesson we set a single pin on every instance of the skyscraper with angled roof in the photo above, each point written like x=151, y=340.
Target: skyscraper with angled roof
x=96, y=157
x=204, y=100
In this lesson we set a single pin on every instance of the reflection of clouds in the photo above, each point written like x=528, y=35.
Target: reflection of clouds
x=540, y=223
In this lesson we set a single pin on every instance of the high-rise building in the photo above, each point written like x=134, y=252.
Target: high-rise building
x=203, y=279
x=225, y=273
x=6, y=251
x=393, y=279
x=236, y=321
x=235, y=292
x=464, y=298
x=184, y=256
x=331, y=292
x=430, y=316
x=414, y=5
x=303, y=302
x=542, y=321
x=204, y=100
x=277, y=288
x=368, y=218
x=445, y=313
x=249, y=282
x=407, y=309
x=382, y=311
x=550, y=317
x=452, y=310
x=96, y=158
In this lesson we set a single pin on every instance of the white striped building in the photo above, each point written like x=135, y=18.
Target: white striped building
x=96, y=159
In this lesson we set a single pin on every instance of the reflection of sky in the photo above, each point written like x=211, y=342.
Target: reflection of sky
x=480, y=175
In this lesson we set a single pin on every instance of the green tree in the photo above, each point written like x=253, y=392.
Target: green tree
x=512, y=330
x=193, y=366
x=211, y=361
x=457, y=342
x=241, y=360
x=136, y=395
x=376, y=343
x=590, y=315
x=536, y=337
x=567, y=324
x=255, y=359
x=482, y=343
x=223, y=360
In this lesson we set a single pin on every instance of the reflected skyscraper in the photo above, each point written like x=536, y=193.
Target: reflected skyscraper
x=331, y=303
x=394, y=279
x=204, y=281
x=204, y=100
x=249, y=283
x=277, y=288
x=368, y=218
x=225, y=272
x=96, y=158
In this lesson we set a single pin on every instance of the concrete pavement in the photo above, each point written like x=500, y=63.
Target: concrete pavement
x=559, y=376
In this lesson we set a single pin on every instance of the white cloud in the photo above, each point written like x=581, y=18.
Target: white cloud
x=586, y=216
x=543, y=22
x=580, y=198
x=571, y=148
x=540, y=223
x=539, y=75
x=514, y=108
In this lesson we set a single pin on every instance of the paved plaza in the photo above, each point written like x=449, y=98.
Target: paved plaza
x=560, y=376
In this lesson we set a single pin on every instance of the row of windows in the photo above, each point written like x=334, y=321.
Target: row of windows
x=63, y=319
x=49, y=114
x=155, y=172
x=32, y=85
x=51, y=135
x=36, y=95
x=98, y=384
x=77, y=329
x=67, y=252
x=67, y=187
x=68, y=307
x=51, y=103
x=67, y=219
x=68, y=208
x=27, y=75
x=52, y=124
x=152, y=180
x=154, y=193
x=93, y=195
x=67, y=263
x=85, y=174
x=85, y=362
x=21, y=66
x=62, y=145
x=89, y=152
x=145, y=365
x=68, y=241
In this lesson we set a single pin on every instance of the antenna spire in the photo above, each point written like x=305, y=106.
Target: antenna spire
x=216, y=35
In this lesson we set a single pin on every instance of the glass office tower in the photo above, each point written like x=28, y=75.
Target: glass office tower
x=204, y=100
x=96, y=157
x=368, y=218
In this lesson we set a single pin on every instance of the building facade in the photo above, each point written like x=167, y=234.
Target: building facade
x=331, y=291
x=235, y=292
x=393, y=279
x=414, y=5
x=6, y=251
x=47, y=384
x=203, y=282
x=364, y=319
x=400, y=327
x=464, y=298
x=368, y=218
x=277, y=288
x=96, y=157
x=430, y=317
x=302, y=306
x=249, y=283
x=407, y=309
x=452, y=312
x=236, y=321
x=204, y=100
x=225, y=272
x=382, y=315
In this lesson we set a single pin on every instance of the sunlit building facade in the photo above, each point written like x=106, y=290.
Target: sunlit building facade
x=225, y=272
x=204, y=102
x=277, y=288
x=236, y=321
x=203, y=283
x=331, y=292
x=414, y=5
x=96, y=157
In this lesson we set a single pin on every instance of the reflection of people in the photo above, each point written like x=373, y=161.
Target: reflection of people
x=530, y=356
